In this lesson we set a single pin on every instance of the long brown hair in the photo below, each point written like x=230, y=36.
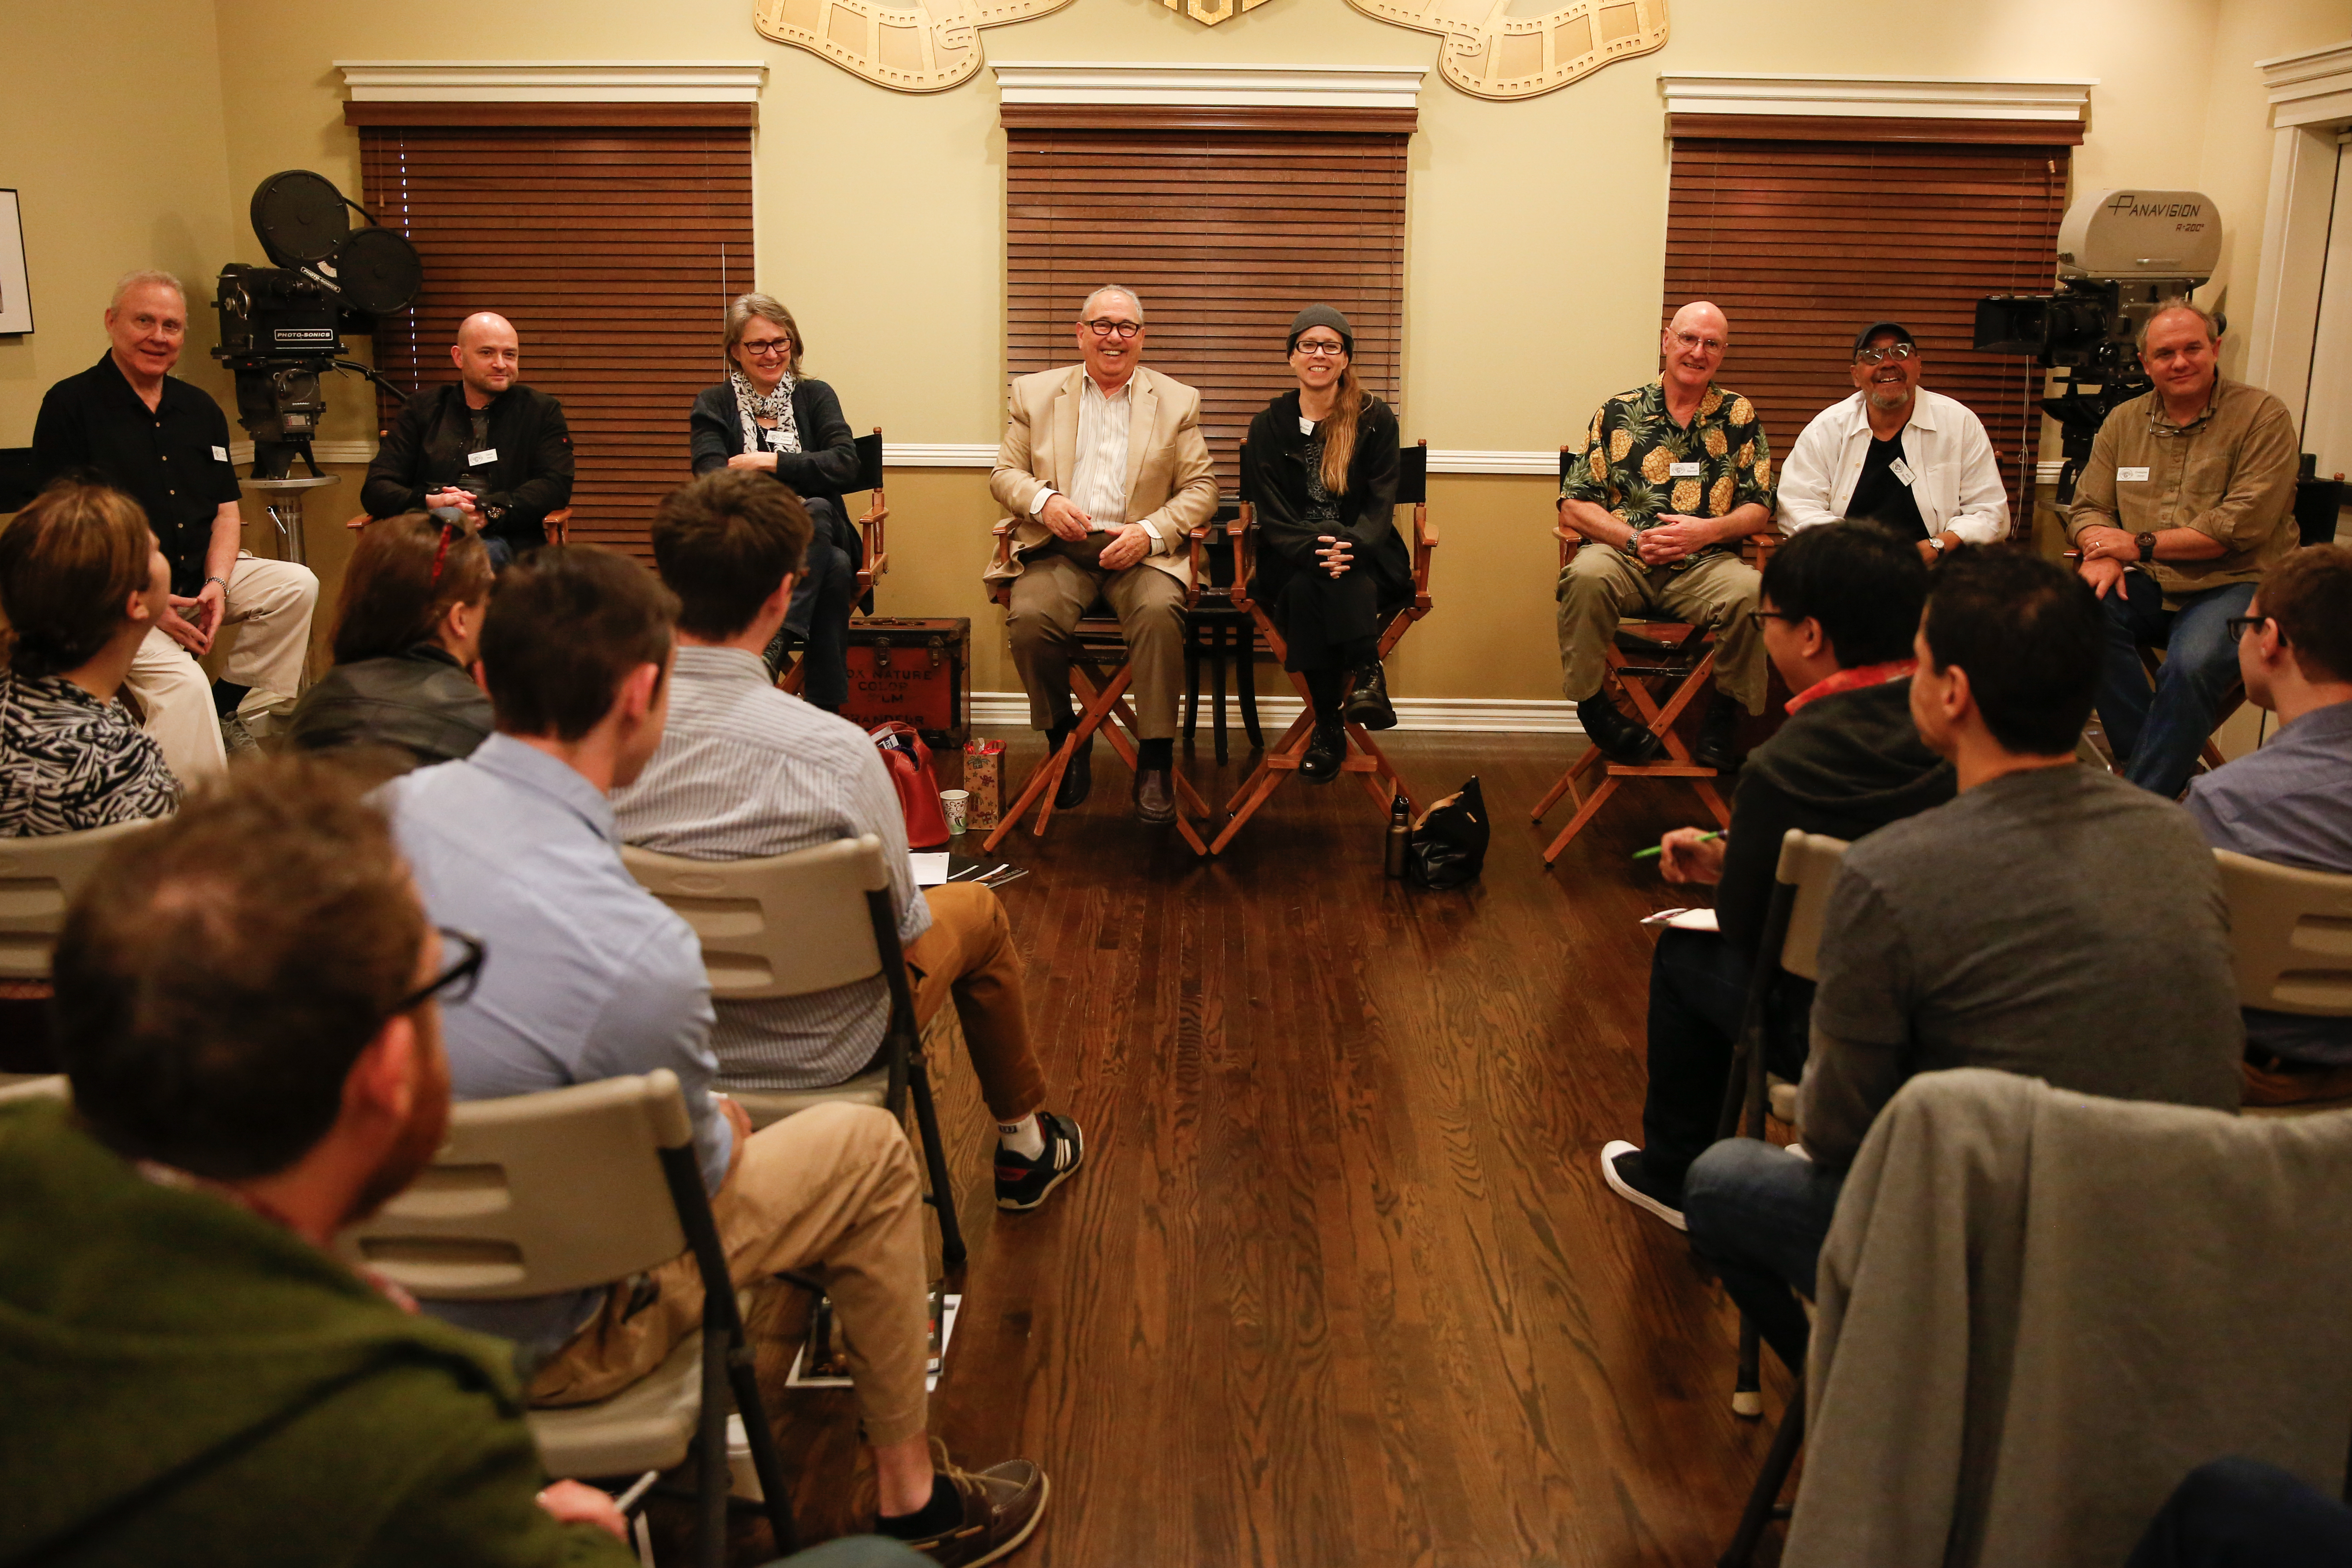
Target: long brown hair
x=1339, y=430
x=406, y=572
x=68, y=563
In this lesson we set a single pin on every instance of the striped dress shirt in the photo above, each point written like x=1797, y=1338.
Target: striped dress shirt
x=1099, y=471
x=746, y=770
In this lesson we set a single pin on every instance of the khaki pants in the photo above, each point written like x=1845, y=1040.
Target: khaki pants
x=831, y=1191
x=271, y=602
x=968, y=955
x=1058, y=584
x=1599, y=585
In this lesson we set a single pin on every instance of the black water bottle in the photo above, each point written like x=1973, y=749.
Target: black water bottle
x=1399, y=834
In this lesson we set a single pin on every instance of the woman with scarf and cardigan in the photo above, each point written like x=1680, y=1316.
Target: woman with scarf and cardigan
x=1322, y=467
x=767, y=416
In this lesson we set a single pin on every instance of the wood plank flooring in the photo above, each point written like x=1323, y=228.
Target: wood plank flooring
x=1340, y=1283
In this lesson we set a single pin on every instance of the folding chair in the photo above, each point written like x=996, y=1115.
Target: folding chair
x=876, y=552
x=1101, y=696
x=1680, y=661
x=573, y=1189
x=1364, y=758
x=1791, y=944
x=2290, y=945
x=1218, y=629
x=787, y=925
x=38, y=879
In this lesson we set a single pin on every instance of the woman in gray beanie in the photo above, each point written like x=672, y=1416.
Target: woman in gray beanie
x=1321, y=467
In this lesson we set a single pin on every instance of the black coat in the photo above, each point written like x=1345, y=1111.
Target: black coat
x=826, y=464
x=432, y=438
x=1275, y=477
x=419, y=702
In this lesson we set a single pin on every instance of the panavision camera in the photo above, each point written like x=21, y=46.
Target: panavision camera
x=281, y=326
x=2122, y=256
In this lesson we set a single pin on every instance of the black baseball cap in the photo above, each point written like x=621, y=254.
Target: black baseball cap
x=1862, y=339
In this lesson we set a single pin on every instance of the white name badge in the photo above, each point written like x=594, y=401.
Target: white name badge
x=1686, y=470
x=2126, y=476
x=487, y=455
x=1902, y=472
x=220, y=454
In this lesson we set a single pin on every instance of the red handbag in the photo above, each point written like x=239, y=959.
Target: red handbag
x=909, y=765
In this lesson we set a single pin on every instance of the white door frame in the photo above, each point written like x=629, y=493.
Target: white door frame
x=2311, y=101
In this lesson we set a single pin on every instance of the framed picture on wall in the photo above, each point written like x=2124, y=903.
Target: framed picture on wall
x=16, y=294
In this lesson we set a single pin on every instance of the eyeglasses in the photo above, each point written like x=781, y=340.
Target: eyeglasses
x=773, y=348
x=2239, y=626
x=1327, y=351
x=453, y=984
x=1693, y=341
x=1760, y=616
x=1103, y=327
x=1895, y=351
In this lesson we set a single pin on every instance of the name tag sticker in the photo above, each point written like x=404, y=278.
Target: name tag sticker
x=1902, y=472
x=488, y=455
x=1686, y=470
x=2127, y=476
x=220, y=454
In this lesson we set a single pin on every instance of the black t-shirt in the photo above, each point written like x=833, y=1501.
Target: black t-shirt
x=173, y=460
x=1880, y=495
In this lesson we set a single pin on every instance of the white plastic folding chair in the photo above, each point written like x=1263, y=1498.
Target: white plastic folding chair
x=2290, y=946
x=38, y=879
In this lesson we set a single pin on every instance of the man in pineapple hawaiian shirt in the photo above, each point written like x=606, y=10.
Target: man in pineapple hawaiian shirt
x=1674, y=475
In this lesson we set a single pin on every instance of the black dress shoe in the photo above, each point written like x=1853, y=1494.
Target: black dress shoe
x=1620, y=739
x=1077, y=778
x=1155, y=796
x=1368, y=704
x=1718, y=732
x=1325, y=751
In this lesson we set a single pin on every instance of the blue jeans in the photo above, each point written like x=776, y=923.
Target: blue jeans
x=1698, y=990
x=2157, y=736
x=2242, y=1513
x=1759, y=1214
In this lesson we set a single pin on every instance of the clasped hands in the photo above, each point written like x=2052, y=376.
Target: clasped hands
x=1672, y=538
x=2106, y=550
x=191, y=623
x=1127, y=546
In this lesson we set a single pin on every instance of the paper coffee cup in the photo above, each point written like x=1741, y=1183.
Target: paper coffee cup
x=955, y=804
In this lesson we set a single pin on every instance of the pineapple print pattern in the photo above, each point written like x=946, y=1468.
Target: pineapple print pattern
x=1632, y=446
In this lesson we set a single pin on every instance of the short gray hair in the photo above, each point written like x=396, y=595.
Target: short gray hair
x=741, y=311
x=129, y=281
x=1132, y=298
x=2212, y=322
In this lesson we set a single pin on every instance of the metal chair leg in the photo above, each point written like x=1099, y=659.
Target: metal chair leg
x=1764, y=1500
x=766, y=1463
x=1747, y=1387
x=935, y=1157
x=712, y=1483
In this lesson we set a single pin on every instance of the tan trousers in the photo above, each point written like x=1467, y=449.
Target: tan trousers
x=1599, y=585
x=832, y=1191
x=968, y=955
x=1057, y=585
x=270, y=602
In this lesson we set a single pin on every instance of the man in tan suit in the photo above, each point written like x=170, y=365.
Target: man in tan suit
x=1104, y=466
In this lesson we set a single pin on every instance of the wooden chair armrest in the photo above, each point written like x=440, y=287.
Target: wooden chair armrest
x=360, y=521
x=878, y=547
x=1424, y=532
x=557, y=525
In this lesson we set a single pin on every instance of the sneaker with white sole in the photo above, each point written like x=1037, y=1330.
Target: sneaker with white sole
x=1621, y=1167
x=1022, y=1184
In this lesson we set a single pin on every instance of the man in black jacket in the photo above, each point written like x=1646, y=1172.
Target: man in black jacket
x=489, y=447
x=1838, y=606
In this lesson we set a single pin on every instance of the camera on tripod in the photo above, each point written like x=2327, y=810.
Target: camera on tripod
x=281, y=326
x=2122, y=256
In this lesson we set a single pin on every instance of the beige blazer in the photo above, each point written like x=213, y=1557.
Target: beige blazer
x=1171, y=486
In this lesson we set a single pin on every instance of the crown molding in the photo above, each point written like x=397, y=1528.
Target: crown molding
x=1880, y=97
x=2314, y=87
x=1160, y=85
x=554, y=81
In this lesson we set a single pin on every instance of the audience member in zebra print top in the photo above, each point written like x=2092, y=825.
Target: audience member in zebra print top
x=82, y=581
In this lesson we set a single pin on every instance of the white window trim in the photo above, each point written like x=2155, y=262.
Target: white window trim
x=554, y=81
x=1878, y=97
x=1161, y=85
x=2311, y=101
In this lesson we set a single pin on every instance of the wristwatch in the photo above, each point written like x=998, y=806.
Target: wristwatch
x=2146, y=542
x=1935, y=542
x=222, y=581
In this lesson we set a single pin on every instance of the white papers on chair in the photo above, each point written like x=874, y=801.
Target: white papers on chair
x=1685, y=920
x=930, y=870
x=823, y=1360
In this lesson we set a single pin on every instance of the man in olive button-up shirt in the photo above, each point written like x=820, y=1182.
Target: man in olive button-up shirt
x=2187, y=498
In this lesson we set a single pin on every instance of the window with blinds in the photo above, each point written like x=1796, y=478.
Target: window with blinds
x=1804, y=231
x=612, y=248
x=1227, y=225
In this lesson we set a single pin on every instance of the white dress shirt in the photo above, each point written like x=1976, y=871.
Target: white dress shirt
x=1098, y=474
x=1955, y=480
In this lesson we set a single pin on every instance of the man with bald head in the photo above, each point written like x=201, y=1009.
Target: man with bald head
x=2188, y=497
x=1671, y=477
x=488, y=449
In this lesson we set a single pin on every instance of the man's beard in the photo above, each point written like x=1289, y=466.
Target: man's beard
x=1882, y=399
x=420, y=1140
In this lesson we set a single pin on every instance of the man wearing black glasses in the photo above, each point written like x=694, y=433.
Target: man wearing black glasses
x=1104, y=468
x=1912, y=460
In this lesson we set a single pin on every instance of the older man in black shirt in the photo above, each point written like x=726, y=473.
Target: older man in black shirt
x=125, y=422
x=489, y=447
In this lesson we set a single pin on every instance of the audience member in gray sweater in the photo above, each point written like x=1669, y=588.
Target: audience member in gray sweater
x=2051, y=921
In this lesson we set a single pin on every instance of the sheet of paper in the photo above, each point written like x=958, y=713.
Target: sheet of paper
x=1684, y=919
x=930, y=870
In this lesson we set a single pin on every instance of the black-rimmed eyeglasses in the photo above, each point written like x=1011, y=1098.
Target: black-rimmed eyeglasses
x=2239, y=626
x=453, y=984
x=1104, y=327
x=1760, y=616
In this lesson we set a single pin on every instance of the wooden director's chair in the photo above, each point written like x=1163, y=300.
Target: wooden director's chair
x=1661, y=666
x=1364, y=758
x=1101, y=696
x=877, y=552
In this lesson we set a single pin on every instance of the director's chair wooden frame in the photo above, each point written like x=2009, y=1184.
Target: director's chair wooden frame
x=1100, y=696
x=1364, y=758
x=870, y=527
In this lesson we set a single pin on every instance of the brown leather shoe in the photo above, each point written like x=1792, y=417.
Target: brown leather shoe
x=1002, y=1505
x=1155, y=796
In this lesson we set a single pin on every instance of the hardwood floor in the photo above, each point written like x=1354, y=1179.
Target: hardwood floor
x=1340, y=1283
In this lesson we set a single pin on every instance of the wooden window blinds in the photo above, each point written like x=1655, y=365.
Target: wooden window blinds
x=613, y=249
x=1805, y=231
x=1227, y=226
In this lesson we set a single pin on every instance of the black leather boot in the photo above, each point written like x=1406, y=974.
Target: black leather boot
x=1325, y=751
x=1077, y=778
x=1368, y=704
x=1718, y=734
x=1620, y=739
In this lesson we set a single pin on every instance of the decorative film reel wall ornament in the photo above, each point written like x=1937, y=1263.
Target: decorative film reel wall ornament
x=1211, y=11
x=1517, y=48
x=927, y=45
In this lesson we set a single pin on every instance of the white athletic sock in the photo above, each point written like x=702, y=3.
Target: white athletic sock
x=1025, y=1137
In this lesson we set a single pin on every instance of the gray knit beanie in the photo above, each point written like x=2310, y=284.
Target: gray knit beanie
x=1321, y=316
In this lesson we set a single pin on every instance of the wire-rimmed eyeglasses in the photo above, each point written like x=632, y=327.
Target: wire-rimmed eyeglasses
x=1895, y=351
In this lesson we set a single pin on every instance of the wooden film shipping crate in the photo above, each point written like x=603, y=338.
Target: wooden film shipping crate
x=915, y=670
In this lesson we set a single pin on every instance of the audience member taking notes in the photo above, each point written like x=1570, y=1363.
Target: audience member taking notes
x=2051, y=922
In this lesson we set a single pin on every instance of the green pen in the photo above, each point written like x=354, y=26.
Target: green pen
x=1654, y=850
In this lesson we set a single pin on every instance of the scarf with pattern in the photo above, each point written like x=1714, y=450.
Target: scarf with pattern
x=777, y=405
